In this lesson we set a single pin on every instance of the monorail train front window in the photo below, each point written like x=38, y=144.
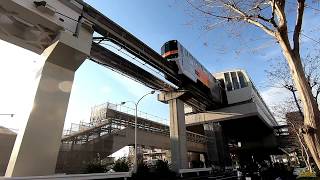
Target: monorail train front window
x=170, y=50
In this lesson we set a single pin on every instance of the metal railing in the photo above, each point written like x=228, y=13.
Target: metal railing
x=99, y=112
x=114, y=121
x=114, y=175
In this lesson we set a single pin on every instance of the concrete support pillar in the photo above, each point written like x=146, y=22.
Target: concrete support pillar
x=36, y=148
x=212, y=146
x=217, y=149
x=178, y=140
x=178, y=135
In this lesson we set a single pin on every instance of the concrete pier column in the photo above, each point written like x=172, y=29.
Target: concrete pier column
x=217, y=148
x=36, y=148
x=178, y=138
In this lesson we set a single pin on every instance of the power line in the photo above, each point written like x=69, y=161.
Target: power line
x=115, y=70
x=133, y=58
x=306, y=6
x=310, y=38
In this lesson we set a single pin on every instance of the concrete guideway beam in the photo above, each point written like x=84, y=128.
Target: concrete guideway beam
x=178, y=140
x=36, y=148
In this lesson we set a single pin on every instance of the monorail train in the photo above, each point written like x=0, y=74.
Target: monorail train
x=191, y=68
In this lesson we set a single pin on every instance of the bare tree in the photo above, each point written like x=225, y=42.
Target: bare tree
x=294, y=124
x=271, y=16
x=279, y=77
x=303, y=149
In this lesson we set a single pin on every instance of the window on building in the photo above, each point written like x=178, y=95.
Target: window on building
x=243, y=82
x=235, y=81
x=228, y=81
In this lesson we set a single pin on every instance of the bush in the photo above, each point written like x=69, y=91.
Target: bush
x=95, y=168
x=121, y=165
x=143, y=172
x=162, y=170
x=161, y=167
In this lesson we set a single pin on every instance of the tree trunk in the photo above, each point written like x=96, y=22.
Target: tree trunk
x=310, y=130
x=304, y=150
x=297, y=102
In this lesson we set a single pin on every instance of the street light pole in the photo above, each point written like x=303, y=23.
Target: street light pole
x=135, y=128
x=135, y=139
x=7, y=115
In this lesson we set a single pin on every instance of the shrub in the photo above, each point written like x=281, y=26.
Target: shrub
x=95, y=168
x=143, y=171
x=162, y=167
x=121, y=165
x=162, y=170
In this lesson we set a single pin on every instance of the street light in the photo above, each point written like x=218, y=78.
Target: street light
x=7, y=115
x=135, y=127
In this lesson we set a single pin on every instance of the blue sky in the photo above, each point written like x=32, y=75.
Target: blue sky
x=153, y=22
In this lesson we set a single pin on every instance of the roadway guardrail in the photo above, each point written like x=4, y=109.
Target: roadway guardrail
x=112, y=175
x=194, y=170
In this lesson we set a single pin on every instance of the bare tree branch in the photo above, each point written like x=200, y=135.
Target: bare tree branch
x=208, y=13
x=303, y=148
x=279, y=10
x=298, y=26
x=249, y=19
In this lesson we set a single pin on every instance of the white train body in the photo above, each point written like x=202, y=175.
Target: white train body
x=190, y=67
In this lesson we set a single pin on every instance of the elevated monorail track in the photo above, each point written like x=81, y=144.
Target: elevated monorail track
x=107, y=58
x=118, y=35
x=110, y=31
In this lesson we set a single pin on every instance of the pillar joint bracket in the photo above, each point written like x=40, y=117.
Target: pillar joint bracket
x=165, y=97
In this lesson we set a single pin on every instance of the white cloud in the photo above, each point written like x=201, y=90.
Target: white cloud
x=273, y=95
x=105, y=90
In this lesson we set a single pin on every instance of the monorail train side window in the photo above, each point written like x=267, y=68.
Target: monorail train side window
x=243, y=82
x=228, y=81
x=235, y=81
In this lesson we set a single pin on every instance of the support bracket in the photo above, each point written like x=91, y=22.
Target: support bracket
x=167, y=96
